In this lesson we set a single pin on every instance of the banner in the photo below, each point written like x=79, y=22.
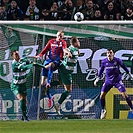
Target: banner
x=80, y=104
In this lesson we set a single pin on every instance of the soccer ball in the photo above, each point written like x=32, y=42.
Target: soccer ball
x=78, y=16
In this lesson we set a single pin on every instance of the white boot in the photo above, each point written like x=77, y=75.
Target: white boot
x=57, y=108
x=103, y=113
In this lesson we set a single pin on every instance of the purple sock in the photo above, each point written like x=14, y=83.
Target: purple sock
x=103, y=103
x=129, y=102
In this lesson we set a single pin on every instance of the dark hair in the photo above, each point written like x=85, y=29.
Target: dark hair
x=109, y=49
x=73, y=40
x=13, y=52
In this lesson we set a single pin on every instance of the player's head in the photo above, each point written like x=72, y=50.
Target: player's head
x=75, y=42
x=15, y=55
x=110, y=54
x=59, y=35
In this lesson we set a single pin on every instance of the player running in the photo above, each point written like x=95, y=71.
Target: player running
x=66, y=69
x=112, y=65
x=55, y=49
x=18, y=85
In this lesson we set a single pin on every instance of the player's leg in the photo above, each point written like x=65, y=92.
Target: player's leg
x=105, y=88
x=50, y=69
x=23, y=106
x=44, y=80
x=52, y=66
x=122, y=89
x=67, y=82
x=64, y=95
x=66, y=92
x=43, y=85
x=46, y=91
x=20, y=92
x=128, y=100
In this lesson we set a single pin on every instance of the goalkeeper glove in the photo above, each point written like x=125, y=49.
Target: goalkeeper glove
x=131, y=76
x=95, y=82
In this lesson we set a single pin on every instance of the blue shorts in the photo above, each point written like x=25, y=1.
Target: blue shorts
x=108, y=85
x=46, y=62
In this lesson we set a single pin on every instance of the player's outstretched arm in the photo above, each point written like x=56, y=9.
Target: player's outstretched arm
x=25, y=67
x=38, y=65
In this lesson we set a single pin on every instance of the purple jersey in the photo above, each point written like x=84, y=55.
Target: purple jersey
x=112, y=69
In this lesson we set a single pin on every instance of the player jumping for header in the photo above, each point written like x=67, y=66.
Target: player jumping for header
x=56, y=47
x=66, y=69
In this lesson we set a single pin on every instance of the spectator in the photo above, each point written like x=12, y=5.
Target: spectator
x=14, y=12
x=69, y=10
x=129, y=14
x=3, y=14
x=80, y=5
x=89, y=15
x=66, y=10
x=45, y=15
x=110, y=13
x=54, y=11
x=6, y=3
x=98, y=15
x=32, y=11
x=118, y=16
x=62, y=9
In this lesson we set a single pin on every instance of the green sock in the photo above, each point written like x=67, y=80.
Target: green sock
x=23, y=107
x=63, y=97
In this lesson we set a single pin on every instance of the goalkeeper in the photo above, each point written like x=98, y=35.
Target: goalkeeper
x=111, y=65
x=66, y=69
x=18, y=85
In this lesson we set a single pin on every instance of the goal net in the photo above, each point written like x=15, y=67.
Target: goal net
x=83, y=102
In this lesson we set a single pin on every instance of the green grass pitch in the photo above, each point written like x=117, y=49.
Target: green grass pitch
x=67, y=126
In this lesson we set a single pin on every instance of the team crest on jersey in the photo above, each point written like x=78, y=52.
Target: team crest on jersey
x=53, y=44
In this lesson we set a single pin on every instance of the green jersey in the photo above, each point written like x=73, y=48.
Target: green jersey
x=70, y=63
x=20, y=70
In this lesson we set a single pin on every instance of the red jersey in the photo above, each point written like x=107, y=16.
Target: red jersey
x=55, y=49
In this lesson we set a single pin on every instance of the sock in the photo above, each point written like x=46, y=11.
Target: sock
x=129, y=102
x=63, y=97
x=23, y=107
x=49, y=95
x=102, y=103
x=50, y=74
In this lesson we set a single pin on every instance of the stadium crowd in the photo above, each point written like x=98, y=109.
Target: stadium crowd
x=65, y=9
